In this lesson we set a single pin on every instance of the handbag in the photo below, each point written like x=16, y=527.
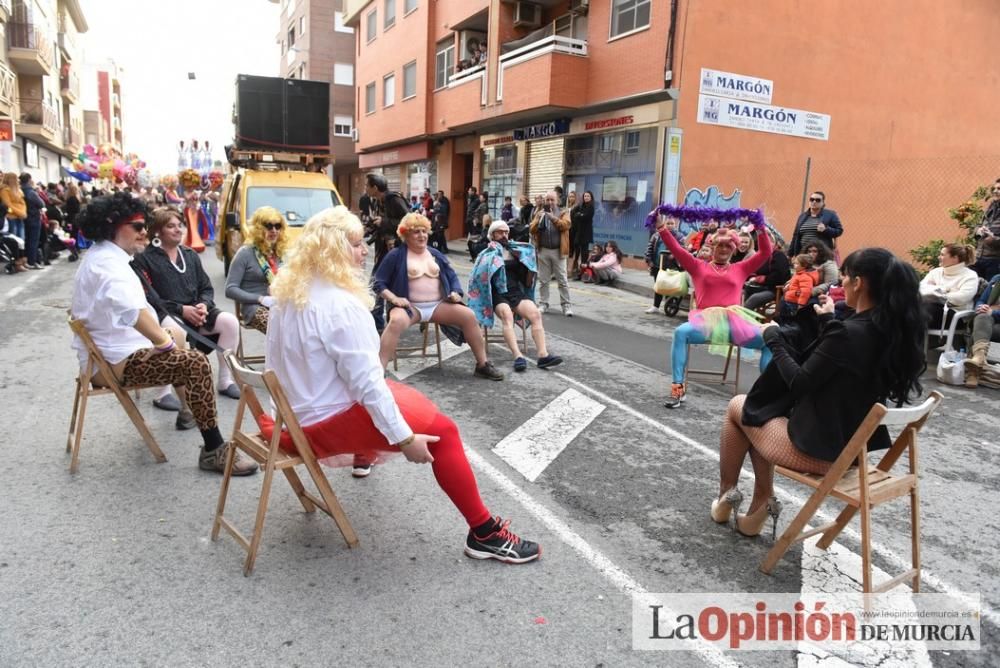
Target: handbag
x=950, y=367
x=671, y=283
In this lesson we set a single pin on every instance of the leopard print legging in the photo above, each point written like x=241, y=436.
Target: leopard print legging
x=184, y=368
x=768, y=445
x=259, y=320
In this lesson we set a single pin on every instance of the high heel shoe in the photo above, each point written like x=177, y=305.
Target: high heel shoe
x=727, y=505
x=752, y=524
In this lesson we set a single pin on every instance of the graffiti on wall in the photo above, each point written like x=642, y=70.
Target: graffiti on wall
x=711, y=197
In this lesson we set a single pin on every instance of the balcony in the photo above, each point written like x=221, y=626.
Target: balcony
x=8, y=89
x=461, y=103
x=69, y=86
x=4, y=10
x=67, y=45
x=31, y=50
x=551, y=72
x=38, y=120
x=71, y=140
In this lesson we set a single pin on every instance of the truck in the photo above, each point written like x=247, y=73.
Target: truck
x=279, y=154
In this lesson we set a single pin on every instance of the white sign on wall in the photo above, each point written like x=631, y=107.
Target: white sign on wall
x=763, y=118
x=739, y=86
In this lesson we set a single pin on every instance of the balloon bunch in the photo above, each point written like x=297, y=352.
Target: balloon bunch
x=106, y=163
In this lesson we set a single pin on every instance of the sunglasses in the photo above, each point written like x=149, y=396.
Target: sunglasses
x=138, y=227
x=273, y=226
x=815, y=199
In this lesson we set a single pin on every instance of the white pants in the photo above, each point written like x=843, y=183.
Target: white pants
x=552, y=263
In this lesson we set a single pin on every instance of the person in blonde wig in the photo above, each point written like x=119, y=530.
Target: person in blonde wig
x=255, y=267
x=324, y=349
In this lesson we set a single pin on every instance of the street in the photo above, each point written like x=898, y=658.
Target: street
x=114, y=565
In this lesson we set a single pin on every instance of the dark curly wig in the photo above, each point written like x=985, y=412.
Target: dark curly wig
x=102, y=214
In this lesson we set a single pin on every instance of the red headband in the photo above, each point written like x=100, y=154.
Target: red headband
x=135, y=218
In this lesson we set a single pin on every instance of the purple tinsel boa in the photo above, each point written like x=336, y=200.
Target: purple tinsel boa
x=700, y=214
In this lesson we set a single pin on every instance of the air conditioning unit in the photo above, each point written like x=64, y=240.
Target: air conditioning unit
x=354, y=134
x=527, y=15
x=579, y=7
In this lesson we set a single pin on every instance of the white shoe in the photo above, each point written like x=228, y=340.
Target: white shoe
x=543, y=308
x=568, y=312
x=652, y=309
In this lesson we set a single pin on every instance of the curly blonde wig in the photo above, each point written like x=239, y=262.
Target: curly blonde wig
x=323, y=251
x=413, y=221
x=258, y=233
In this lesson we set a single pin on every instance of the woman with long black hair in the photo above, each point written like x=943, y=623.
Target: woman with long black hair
x=804, y=408
x=581, y=232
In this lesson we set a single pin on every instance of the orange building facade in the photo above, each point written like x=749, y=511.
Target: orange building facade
x=890, y=109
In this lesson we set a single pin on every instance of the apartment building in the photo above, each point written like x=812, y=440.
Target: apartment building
x=40, y=87
x=706, y=102
x=318, y=46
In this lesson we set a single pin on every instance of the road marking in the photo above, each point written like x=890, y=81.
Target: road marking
x=15, y=291
x=837, y=570
x=537, y=442
x=895, y=560
x=414, y=362
x=597, y=559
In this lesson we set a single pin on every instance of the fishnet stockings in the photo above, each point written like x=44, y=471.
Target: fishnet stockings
x=768, y=445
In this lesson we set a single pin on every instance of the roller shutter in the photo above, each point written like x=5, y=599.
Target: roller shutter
x=545, y=165
x=394, y=176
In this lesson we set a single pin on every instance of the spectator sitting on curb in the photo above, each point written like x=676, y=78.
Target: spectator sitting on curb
x=608, y=269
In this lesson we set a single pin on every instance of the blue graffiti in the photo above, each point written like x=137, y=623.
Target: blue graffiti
x=711, y=197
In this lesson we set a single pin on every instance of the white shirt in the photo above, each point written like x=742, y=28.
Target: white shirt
x=108, y=296
x=956, y=285
x=326, y=357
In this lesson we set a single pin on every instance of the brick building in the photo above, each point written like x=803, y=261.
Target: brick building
x=316, y=45
x=624, y=98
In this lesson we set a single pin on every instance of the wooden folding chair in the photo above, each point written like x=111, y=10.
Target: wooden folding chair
x=86, y=389
x=723, y=375
x=862, y=487
x=522, y=324
x=425, y=330
x=272, y=458
x=244, y=359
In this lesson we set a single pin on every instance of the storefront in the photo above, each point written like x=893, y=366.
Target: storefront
x=618, y=156
x=408, y=169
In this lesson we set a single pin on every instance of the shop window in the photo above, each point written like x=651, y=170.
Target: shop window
x=390, y=14
x=372, y=24
x=389, y=90
x=607, y=143
x=444, y=63
x=343, y=74
x=628, y=16
x=410, y=80
x=632, y=142
x=342, y=126
x=370, y=98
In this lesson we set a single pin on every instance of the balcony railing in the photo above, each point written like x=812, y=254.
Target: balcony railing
x=474, y=73
x=70, y=83
x=39, y=112
x=71, y=137
x=32, y=38
x=8, y=85
x=541, y=47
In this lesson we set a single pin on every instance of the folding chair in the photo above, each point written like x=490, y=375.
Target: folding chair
x=244, y=359
x=425, y=331
x=86, y=389
x=522, y=324
x=862, y=488
x=724, y=374
x=272, y=458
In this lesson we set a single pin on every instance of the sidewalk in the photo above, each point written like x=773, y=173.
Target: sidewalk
x=636, y=281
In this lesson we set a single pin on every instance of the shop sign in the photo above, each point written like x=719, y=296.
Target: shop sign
x=745, y=115
x=408, y=153
x=605, y=123
x=559, y=126
x=739, y=86
x=6, y=129
x=505, y=139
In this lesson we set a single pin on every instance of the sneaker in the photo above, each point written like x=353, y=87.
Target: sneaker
x=652, y=309
x=549, y=360
x=520, y=364
x=168, y=402
x=231, y=391
x=185, y=420
x=501, y=544
x=34, y=266
x=487, y=370
x=542, y=308
x=678, y=393
x=216, y=461
x=362, y=468
x=567, y=311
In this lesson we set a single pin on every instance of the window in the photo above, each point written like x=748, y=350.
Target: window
x=632, y=142
x=390, y=14
x=342, y=126
x=282, y=47
x=444, y=63
x=370, y=98
x=338, y=23
x=372, y=24
x=389, y=90
x=291, y=37
x=628, y=16
x=409, y=6
x=302, y=25
x=409, y=80
x=302, y=70
x=343, y=74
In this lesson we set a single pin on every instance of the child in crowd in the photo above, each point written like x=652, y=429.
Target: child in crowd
x=586, y=273
x=798, y=290
x=507, y=210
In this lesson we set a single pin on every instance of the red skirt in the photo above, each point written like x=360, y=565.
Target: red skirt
x=337, y=439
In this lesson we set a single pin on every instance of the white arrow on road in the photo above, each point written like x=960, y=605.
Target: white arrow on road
x=537, y=442
x=837, y=570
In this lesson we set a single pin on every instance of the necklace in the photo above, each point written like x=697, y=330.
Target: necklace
x=183, y=267
x=715, y=267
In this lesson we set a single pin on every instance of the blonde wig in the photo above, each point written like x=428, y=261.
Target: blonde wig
x=324, y=251
x=258, y=233
x=413, y=221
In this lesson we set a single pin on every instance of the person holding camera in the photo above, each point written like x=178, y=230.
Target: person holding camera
x=550, y=233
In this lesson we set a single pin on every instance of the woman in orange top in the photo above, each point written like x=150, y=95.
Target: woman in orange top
x=13, y=199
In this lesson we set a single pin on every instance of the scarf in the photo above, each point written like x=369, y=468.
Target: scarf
x=268, y=265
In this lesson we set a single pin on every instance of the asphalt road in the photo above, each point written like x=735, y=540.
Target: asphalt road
x=114, y=566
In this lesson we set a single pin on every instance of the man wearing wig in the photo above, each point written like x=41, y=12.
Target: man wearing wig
x=323, y=347
x=718, y=285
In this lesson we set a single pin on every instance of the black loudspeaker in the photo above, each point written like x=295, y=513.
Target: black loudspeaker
x=307, y=114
